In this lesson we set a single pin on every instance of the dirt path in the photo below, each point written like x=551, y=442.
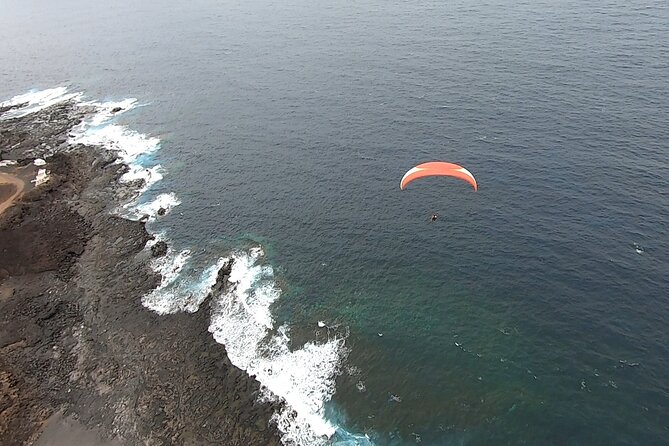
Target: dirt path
x=16, y=186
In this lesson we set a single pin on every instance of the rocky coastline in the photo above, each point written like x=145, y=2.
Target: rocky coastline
x=80, y=358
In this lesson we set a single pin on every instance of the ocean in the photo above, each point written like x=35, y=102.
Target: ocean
x=533, y=311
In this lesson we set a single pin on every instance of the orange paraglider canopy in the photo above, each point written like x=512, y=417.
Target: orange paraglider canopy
x=438, y=168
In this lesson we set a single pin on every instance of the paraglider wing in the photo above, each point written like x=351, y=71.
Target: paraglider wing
x=437, y=168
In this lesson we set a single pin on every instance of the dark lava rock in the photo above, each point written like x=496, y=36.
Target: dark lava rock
x=222, y=277
x=6, y=108
x=116, y=109
x=162, y=211
x=159, y=249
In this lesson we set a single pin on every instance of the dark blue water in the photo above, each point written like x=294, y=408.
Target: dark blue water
x=535, y=310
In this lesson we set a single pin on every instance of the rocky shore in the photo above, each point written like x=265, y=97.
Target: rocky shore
x=81, y=361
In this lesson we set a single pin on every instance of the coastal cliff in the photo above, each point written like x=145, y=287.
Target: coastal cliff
x=80, y=357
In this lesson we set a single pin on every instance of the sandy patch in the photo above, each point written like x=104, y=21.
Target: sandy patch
x=66, y=431
x=11, y=188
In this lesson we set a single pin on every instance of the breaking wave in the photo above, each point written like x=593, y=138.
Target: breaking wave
x=151, y=210
x=303, y=378
x=36, y=100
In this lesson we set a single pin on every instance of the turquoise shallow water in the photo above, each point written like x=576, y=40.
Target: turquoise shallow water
x=535, y=310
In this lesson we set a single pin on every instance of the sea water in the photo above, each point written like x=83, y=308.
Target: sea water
x=534, y=311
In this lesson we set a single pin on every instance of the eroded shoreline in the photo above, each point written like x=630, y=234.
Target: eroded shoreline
x=75, y=341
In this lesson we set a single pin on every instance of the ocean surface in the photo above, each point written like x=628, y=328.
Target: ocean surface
x=534, y=311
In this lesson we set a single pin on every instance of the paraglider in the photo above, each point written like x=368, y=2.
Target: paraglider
x=438, y=168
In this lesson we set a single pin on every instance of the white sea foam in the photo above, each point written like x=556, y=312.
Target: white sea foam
x=197, y=294
x=169, y=267
x=179, y=290
x=36, y=100
x=6, y=163
x=148, y=175
x=105, y=110
x=39, y=162
x=303, y=378
x=151, y=209
x=128, y=144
